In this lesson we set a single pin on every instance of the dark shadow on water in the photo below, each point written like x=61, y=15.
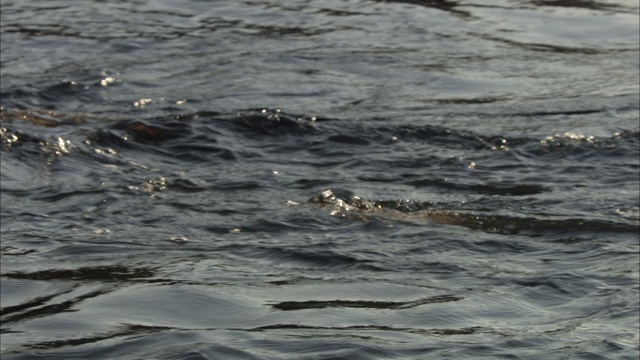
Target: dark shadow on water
x=584, y=4
x=100, y=273
x=444, y=5
x=318, y=304
x=48, y=310
x=128, y=330
x=460, y=331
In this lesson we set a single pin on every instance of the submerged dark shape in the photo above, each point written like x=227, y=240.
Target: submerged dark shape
x=347, y=205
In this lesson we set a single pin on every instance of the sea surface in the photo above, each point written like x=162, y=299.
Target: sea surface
x=320, y=179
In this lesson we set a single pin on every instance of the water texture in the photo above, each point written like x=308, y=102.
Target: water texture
x=319, y=179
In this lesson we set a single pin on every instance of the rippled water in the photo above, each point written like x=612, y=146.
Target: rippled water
x=320, y=179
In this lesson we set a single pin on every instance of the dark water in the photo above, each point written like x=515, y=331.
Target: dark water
x=320, y=179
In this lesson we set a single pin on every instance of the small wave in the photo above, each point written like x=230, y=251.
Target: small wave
x=125, y=331
x=368, y=304
x=305, y=258
x=501, y=189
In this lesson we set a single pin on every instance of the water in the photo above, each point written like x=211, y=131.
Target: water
x=320, y=179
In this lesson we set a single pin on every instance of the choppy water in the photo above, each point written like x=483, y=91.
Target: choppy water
x=320, y=179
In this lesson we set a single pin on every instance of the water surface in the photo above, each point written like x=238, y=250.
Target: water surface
x=320, y=179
